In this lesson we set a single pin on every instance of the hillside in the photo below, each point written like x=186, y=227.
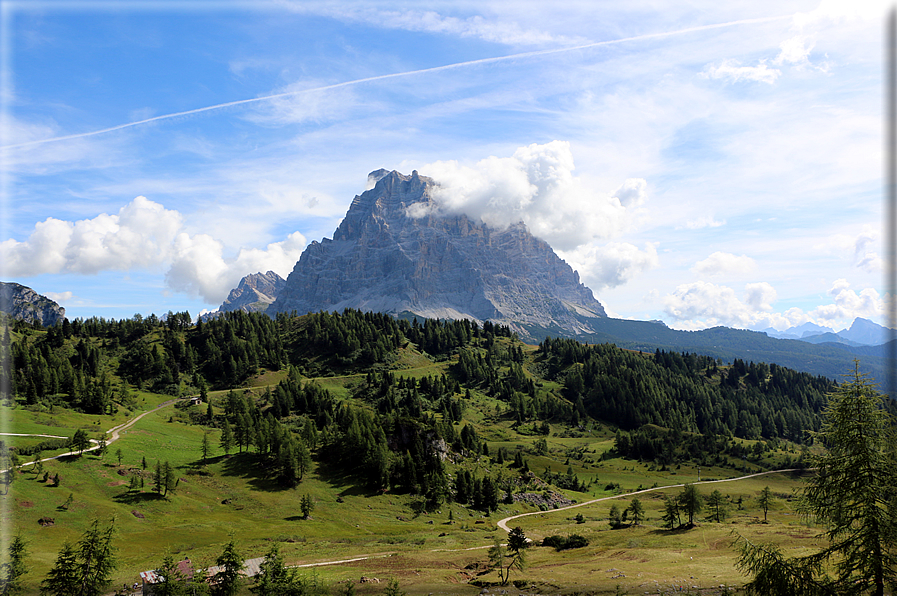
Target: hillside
x=388, y=426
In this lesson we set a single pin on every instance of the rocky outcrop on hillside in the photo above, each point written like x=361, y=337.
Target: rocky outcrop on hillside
x=383, y=259
x=21, y=302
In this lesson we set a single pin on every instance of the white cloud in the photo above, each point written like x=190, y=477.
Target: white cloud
x=496, y=30
x=707, y=221
x=760, y=296
x=611, y=265
x=730, y=71
x=199, y=268
x=535, y=186
x=142, y=235
x=138, y=236
x=861, y=248
x=864, y=251
x=795, y=51
x=702, y=304
x=59, y=297
x=720, y=263
x=848, y=304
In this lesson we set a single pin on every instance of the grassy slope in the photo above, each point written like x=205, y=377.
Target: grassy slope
x=195, y=522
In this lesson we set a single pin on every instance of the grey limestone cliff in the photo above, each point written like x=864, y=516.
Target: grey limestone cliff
x=255, y=293
x=382, y=259
x=21, y=302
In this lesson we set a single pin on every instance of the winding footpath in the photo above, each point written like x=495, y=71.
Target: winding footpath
x=114, y=434
x=503, y=524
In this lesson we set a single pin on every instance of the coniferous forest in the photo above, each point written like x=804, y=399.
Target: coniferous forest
x=430, y=411
x=667, y=407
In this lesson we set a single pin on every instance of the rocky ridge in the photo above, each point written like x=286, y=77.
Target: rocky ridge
x=383, y=259
x=255, y=293
x=21, y=302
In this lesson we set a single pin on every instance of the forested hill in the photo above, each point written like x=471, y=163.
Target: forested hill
x=829, y=359
x=91, y=365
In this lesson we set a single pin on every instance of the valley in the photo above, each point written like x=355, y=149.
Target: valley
x=481, y=401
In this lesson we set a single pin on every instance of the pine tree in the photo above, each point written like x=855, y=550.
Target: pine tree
x=670, y=516
x=169, y=479
x=852, y=493
x=691, y=502
x=306, y=505
x=228, y=580
x=274, y=579
x=172, y=581
x=158, y=478
x=717, y=503
x=62, y=579
x=227, y=437
x=14, y=567
x=206, y=448
x=635, y=510
x=613, y=517
x=84, y=569
x=764, y=500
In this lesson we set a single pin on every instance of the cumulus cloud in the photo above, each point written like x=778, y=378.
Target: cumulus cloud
x=143, y=234
x=139, y=235
x=730, y=71
x=720, y=263
x=59, y=297
x=760, y=296
x=702, y=304
x=536, y=186
x=848, y=304
x=611, y=265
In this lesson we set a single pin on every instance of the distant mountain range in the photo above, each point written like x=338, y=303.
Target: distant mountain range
x=862, y=332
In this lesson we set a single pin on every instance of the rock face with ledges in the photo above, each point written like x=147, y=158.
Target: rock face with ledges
x=21, y=302
x=255, y=293
x=382, y=259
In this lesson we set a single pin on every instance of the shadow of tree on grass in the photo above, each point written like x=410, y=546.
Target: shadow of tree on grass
x=130, y=497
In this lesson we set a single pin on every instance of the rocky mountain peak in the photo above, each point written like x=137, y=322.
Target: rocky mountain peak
x=255, y=293
x=383, y=259
x=388, y=201
x=21, y=302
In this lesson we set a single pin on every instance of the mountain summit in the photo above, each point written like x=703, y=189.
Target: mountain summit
x=392, y=253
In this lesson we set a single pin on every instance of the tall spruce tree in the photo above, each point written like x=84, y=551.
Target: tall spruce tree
x=852, y=493
x=14, y=567
x=84, y=569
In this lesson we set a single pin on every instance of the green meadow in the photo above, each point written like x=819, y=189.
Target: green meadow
x=443, y=551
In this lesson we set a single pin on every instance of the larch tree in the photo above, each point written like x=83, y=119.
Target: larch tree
x=765, y=500
x=853, y=493
x=14, y=567
x=228, y=580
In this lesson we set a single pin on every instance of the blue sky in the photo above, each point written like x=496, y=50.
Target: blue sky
x=710, y=163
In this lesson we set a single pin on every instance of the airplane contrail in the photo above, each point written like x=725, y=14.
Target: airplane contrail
x=399, y=74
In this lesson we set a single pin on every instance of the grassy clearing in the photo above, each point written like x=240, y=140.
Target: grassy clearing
x=425, y=552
